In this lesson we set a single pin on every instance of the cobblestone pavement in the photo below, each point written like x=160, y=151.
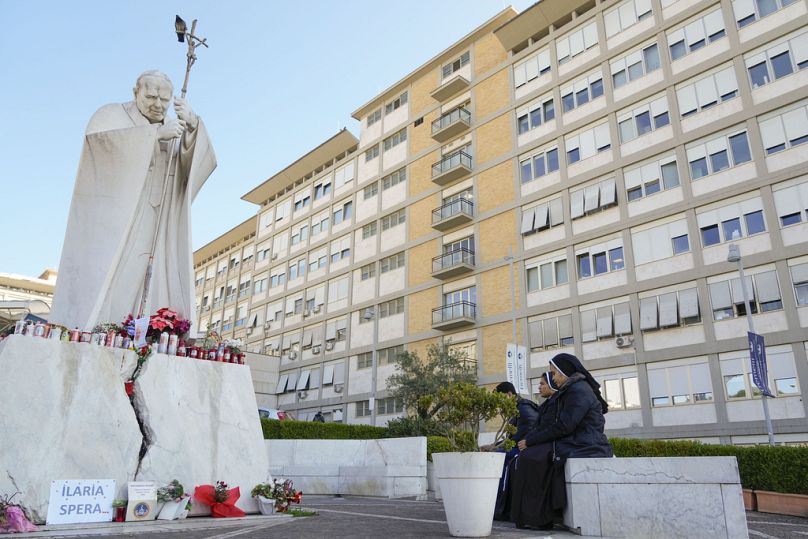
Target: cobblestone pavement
x=357, y=517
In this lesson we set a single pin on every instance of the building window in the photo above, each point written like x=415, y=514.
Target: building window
x=678, y=385
x=791, y=202
x=660, y=242
x=651, y=178
x=301, y=203
x=697, y=34
x=374, y=117
x=542, y=217
x=531, y=68
x=749, y=11
x=392, y=307
x=364, y=360
x=587, y=143
x=621, y=392
x=551, y=333
x=718, y=153
x=372, y=153
x=394, y=179
x=390, y=405
x=538, y=164
x=368, y=271
x=706, y=92
x=322, y=189
x=363, y=408
x=644, y=119
x=343, y=175
x=731, y=222
x=635, y=65
x=394, y=219
x=605, y=322
x=626, y=15
x=297, y=269
x=546, y=275
x=395, y=139
x=300, y=234
x=396, y=103
x=762, y=290
x=369, y=230
x=392, y=262
x=582, y=91
x=317, y=260
x=593, y=198
x=370, y=191
x=777, y=61
x=785, y=130
x=576, y=42
x=737, y=374
x=673, y=309
x=319, y=224
x=449, y=69
x=799, y=276
x=600, y=259
x=535, y=114
x=343, y=212
x=388, y=356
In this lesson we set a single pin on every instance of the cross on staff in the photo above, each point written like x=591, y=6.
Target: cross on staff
x=193, y=41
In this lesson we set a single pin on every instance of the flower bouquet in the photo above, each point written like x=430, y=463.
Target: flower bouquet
x=13, y=518
x=221, y=499
x=283, y=492
x=175, y=501
x=263, y=492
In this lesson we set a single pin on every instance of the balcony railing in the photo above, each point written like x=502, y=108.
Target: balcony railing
x=451, y=124
x=452, y=167
x=453, y=315
x=453, y=263
x=452, y=214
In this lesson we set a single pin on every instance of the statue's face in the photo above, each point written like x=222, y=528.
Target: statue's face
x=152, y=98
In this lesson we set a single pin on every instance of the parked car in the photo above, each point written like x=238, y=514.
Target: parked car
x=272, y=413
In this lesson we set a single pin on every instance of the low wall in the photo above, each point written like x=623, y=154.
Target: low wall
x=662, y=497
x=392, y=468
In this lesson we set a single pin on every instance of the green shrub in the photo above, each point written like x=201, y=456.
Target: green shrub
x=312, y=430
x=762, y=467
x=401, y=427
x=437, y=444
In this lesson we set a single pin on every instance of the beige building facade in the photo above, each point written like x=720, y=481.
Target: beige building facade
x=610, y=152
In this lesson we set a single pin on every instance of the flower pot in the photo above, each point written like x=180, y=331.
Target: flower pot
x=781, y=503
x=468, y=483
x=172, y=510
x=266, y=505
x=749, y=499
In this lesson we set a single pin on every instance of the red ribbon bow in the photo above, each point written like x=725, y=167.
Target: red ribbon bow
x=207, y=495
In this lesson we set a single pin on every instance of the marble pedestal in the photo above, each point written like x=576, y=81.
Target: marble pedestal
x=64, y=414
x=655, y=497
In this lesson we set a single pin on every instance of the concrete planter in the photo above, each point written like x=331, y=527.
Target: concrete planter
x=468, y=482
x=172, y=510
x=432, y=481
x=749, y=499
x=782, y=504
x=266, y=505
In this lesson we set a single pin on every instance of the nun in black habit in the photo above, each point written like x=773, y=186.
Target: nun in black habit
x=537, y=480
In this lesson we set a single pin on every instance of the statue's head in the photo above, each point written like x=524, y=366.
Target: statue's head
x=153, y=91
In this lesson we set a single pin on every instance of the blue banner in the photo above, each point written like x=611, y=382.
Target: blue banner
x=757, y=353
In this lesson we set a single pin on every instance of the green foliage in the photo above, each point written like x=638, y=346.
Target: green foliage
x=262, y=489
x=465, y=406
x=312, y=430
x=762, y=467
x=401, y=427
x=119, y=503
x=437, y=444
x=417, y=382
x=302, y=513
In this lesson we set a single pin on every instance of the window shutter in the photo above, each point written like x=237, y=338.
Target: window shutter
x=622, y=319
x=700, y=378
x=590, y=35
x=799, y=273
x=771, y=131
x=799, y=45
x=720, y=295
x=528, y=217
x=743, y=8
x=282, y=381
x=668, y=314
x=292, y=381
x=591, y=197
x=541, y=217
x=339, y=373
x=604, y=322
x=608, y=194
x=535, y=334
x=303, y=381
x=737, y=293
x=577, y=203
x=556, y=212
x=550, y=331
x=726, y=81
x=612, y=21
x=787, y=201
x=713, y=22
x=706, y=92
x=767, y=287
x=588, y=326
x=796, y=123
x=648, y=313
x=694, y=32
x=328, y=375
x=689, y=303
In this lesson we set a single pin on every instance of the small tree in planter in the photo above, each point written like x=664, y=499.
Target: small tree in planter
x=469, y=478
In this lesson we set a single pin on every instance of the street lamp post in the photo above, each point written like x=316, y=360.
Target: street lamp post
x=370, y=314
x=735, y=256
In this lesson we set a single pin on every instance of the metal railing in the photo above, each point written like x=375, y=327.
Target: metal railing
x=451, y=161
x=451, y=117
x=450, y=209
x=452, y=311
x=452, y=258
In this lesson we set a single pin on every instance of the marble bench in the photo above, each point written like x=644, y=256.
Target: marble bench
x=391, y=468
x=670, y=497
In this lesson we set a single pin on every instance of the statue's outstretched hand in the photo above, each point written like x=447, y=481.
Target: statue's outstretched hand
x=171, y=129
x=185, y=115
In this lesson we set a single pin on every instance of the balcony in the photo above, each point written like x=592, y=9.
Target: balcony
x=452, y=167
x=452, y=214
x=450, y=88
x=454, y=315
x=451, y=124
x=453, y=263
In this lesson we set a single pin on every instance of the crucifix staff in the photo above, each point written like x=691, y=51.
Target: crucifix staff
x=193, y=41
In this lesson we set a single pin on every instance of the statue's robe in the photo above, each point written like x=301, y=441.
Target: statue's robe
x=113, y=219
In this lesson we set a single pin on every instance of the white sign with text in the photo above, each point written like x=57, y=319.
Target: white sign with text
x=80, y=500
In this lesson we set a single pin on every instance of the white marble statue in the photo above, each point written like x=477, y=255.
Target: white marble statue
x=116, y=203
